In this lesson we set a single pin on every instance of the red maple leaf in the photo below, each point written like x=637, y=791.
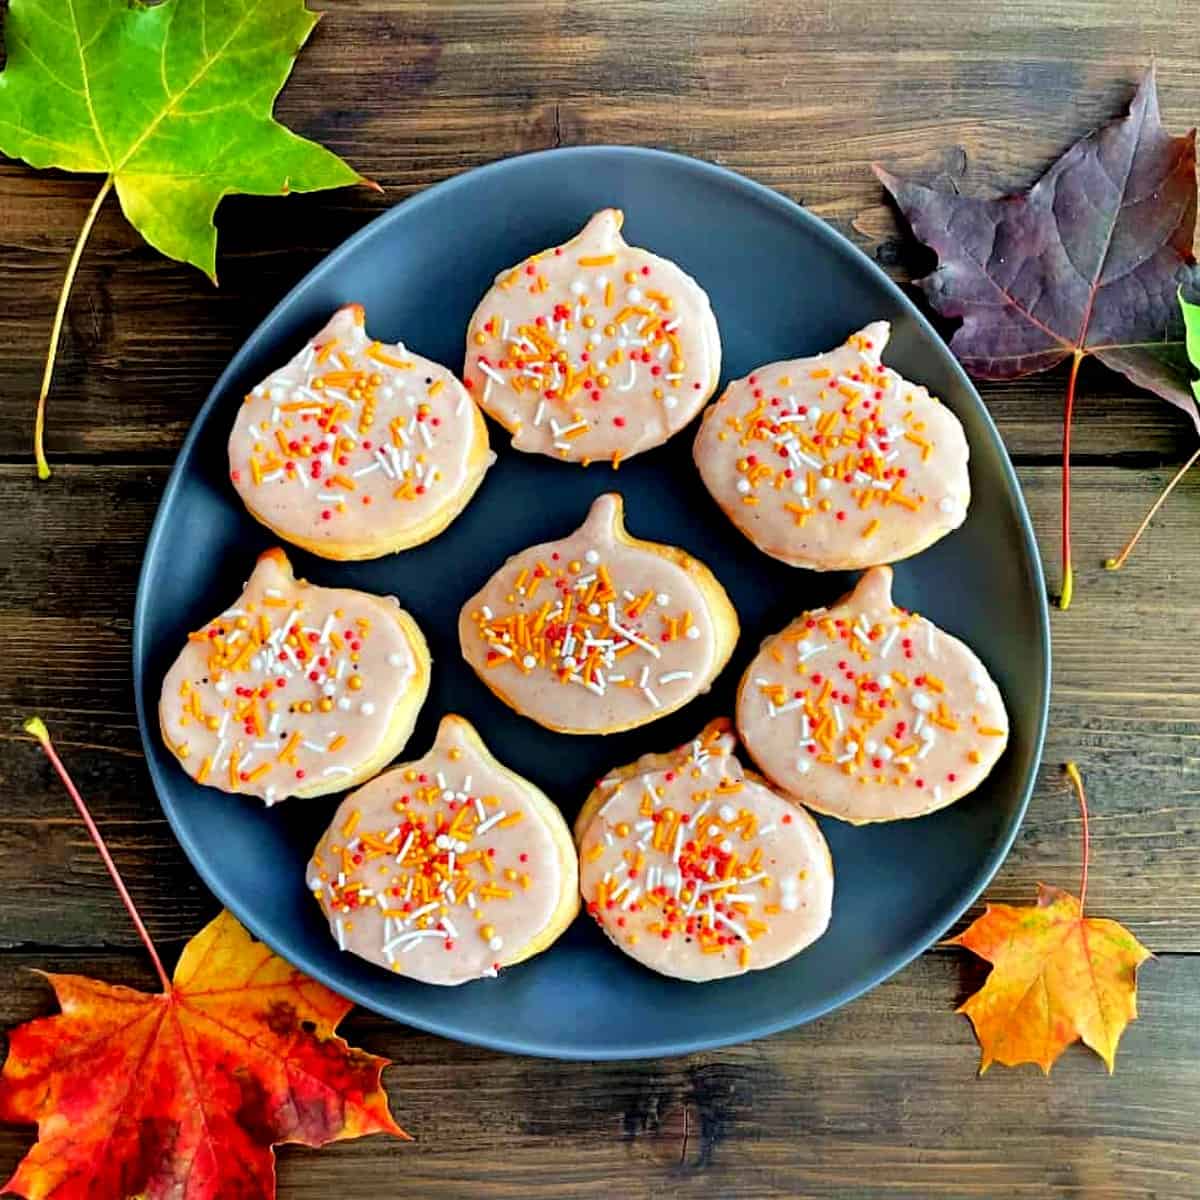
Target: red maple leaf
x=183, y=1093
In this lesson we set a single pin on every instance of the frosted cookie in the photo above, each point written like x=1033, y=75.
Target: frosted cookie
x=601, y=631
x=356, y=449
x=870, y=713
x=835, y=462
x=698, y=870
x=594, y=349
x=295, y=690
x=447, y=868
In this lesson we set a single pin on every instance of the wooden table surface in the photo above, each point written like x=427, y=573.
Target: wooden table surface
x=880, y=1098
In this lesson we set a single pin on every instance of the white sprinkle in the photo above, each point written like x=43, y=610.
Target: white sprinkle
x=494, y=819
x=693, y=633
x=678, y=844
x=803, y=766
x=889, y=641
x=592, y=557
x=730, y=925
x=366, y=708
x=921, y=702
x=672, y=676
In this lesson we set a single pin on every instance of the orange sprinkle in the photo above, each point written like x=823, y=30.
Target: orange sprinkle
x=376, y=351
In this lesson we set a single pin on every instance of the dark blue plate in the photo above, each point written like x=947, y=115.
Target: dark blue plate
x=782, y=284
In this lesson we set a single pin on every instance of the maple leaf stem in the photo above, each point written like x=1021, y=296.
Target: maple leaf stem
x=36, y=728
x=39, y=424
x=1077, y=783
x=1068, y=573
x=1115, y=564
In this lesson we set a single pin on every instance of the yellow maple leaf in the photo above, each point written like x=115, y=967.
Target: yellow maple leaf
x=1057, y=977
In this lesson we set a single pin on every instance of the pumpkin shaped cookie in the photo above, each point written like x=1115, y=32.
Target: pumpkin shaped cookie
x=697, y=869
x=600, y=631
x=447, y=868
x=356, y=449
x=870, y=713
x=835, y=462
x=594, y=349
x=295, y=690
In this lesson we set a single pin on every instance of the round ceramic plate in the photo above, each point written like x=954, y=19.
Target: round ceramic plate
x=782, y=284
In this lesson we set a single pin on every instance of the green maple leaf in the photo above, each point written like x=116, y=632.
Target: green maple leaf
x=1191, y=322
x=171, y=103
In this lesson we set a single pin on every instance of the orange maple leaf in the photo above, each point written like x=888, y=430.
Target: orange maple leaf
x=183, y=1093
x=1057, y=976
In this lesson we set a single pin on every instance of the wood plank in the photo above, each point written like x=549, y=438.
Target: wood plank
x=414, y=93
x=1126, y=706
x=877, y=1100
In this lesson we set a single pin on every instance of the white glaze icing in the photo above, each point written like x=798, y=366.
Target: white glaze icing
x=292, y=688
x=699, y=871
x=870, y=713
x=835, y=462
x=598, y=631
x=356, y=446
x=594, y=349
x=444, y=869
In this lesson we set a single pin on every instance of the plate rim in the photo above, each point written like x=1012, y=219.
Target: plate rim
x=840, y=246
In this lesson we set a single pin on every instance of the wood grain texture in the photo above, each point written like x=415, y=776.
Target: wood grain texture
x=801, y=97
x=879, y=1100
x=1126, y=704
